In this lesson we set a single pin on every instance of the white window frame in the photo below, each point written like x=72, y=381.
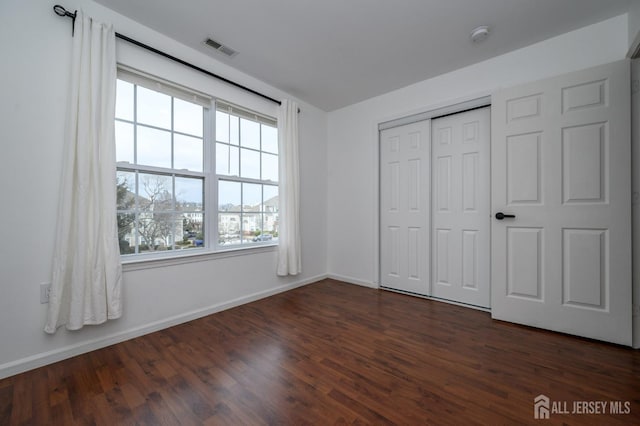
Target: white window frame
x=242, y=113
x=211, y=247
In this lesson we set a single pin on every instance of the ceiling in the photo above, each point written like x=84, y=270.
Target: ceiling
x=333, y=53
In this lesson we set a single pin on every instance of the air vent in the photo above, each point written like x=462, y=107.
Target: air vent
x=212, y=43
x=225, y=50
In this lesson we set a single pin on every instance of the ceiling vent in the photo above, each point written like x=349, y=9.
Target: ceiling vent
x=225, y=50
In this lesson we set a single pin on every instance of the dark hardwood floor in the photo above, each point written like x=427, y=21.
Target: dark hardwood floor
x=330, y=353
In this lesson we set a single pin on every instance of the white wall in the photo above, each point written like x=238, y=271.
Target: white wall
x=634, y=20
x=35, y=47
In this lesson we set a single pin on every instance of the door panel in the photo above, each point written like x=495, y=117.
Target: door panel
x=524, y=177
x=524, y=265
x=405, y=207
x=560, y=158
x=460, y=250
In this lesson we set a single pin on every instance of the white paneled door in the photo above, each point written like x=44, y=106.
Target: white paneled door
x=560, y=160
x=404, y=207
x=461, y=211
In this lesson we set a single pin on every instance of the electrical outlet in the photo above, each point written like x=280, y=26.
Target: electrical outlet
x=45, y=288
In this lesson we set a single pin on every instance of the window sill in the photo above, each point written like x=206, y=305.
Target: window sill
x=160, y=261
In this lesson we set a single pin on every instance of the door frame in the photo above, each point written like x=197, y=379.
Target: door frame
x=455, y=106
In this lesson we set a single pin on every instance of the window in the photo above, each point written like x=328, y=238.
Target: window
x=170, y=170
x=247, y=176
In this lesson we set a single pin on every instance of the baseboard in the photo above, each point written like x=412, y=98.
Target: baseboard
x=352, y=280
x=42, y=359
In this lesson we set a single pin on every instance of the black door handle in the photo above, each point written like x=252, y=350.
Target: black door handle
x=501, y=215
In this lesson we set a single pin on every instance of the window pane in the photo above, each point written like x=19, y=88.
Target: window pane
x=187, y=153
x=187, y=117
x=222, y=127
x=124, y=100
x=250, y=164
x=229, y=196
x=188, y=193
x=270, y=203
x=251, y=227
x=222, y=159
x=234, y=161
x=124, y=142
x=156, y=231
x=269, y=139
x=154, y=147
x=229, y=228
x=155, y=193
x=234, y=130
x=192, y=231
x=270, y=167
x=143, y=247
x=126, y=232
x=126, y=190
x=251, y=197
x=227, y=161
x=153, y=108
x=270, y=225
x=249, y=134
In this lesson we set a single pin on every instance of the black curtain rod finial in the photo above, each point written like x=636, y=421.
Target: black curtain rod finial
x=61, y=11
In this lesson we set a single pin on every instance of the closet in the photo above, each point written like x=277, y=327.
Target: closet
x=435, y=218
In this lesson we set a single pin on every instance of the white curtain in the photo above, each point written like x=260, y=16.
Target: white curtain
x=87, y=274
x=289, y=258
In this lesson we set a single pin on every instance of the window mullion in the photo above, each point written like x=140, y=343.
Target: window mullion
x=135, y=125
x=210, y=189
x=239, y=151
x=174, y=212
x=246, y=180
x=137, y=215
x=260, y=145
x=159, y=170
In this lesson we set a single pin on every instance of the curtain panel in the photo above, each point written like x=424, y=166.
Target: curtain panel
x=87, y=273
x=289, y=255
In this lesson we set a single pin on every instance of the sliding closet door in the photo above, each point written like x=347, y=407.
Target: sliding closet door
x=405, y=207
x=461, y=207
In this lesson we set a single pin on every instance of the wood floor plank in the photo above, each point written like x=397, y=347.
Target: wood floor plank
x=6, y=401
x=330, y=353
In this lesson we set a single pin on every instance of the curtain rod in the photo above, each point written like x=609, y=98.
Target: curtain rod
x=61, y=11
